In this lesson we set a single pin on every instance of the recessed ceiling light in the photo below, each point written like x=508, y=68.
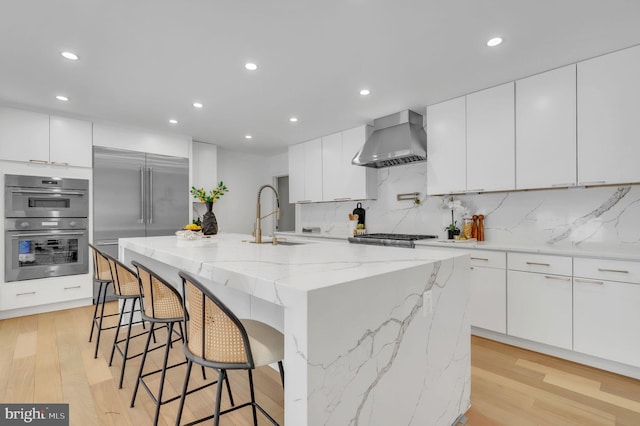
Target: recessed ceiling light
x=251, y=66
x=70, y=55
x=293, y=119
x=173, y=121
x=494, y=42
x=197, y=105
x=62, y=98
x=248, y=136
x=364, y=92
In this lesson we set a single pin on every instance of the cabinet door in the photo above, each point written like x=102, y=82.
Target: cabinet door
x=446, y=147
x=70, y=142
x=539, y=308
x=204, y=165
x=490, y=139
x=488, y=301
x=358, y=182
x=606, y=320
x=546, y=129
x=313, y=170
x=333, y=181
x=608, y=111
x=24, y=135
x=296, y=173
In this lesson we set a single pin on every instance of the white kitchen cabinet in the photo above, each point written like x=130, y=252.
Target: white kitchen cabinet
x=608, y=124
x=490, y=139
x=305, y=171
x=446, y=147
x=358, y=182
x=488, y=298
x=24, y=135
x=204, y=165
x=546, y=129
x=606, y=320
x=333, y=184
x=539, y=308
x=39, y=138
x=70, y=142
x=22, y=294
x=313, y=170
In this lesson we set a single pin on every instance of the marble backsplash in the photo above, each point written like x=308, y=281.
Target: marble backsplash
x=563, y=218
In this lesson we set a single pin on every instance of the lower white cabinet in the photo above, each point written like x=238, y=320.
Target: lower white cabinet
x=606, y=320
x=23, y=294
x=539, y=308
x=488, y=301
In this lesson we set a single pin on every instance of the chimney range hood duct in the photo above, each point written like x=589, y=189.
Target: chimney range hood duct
x=396, y=139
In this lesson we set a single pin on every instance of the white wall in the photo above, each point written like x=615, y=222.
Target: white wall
x=243, y=174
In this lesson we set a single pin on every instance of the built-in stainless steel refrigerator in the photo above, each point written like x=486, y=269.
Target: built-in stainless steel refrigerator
x=137, y=194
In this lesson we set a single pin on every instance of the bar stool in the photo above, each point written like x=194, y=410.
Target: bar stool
x=102, y=277
x=126, y=288
x=161, y=304
x=216, y=338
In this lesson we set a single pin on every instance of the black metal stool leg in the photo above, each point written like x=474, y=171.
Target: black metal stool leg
x=281, y=368
x=184, y=392
x=104, y=297
x=126, y=345
x=216, y=414
x=115, y=340
x=164, y=372
x=253, y=398
x=226, y=379
x=144, y=357
x=96, y=302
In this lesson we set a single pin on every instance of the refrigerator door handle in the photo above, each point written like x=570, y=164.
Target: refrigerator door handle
x=150, y=195
x=141, y=219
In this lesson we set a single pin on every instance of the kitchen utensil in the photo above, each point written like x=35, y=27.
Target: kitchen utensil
x=360, y=212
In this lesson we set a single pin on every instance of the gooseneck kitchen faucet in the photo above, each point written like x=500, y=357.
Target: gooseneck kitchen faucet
x=258, y=227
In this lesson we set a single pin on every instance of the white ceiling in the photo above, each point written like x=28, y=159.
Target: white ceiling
x=143, y=62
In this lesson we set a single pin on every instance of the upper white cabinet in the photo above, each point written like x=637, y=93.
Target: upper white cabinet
x=333, y=184
x=204, y=165
x=24, y=135
x=321, y=170
x=305, y=171
x=608, y=124
x=40, y=138
x=70, y=142
x=546, y=129
x=447, y=147
x=490, y=139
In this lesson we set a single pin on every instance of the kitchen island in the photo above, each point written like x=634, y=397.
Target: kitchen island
x=373, y=335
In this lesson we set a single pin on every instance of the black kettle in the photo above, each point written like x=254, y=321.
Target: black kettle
x=360, y=212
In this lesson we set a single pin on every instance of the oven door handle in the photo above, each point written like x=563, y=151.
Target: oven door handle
x=47, y=192
x=44, y=234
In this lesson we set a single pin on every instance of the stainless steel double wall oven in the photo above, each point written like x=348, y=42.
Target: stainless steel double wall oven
x=46, y=227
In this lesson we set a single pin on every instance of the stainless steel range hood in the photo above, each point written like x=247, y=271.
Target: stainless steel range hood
x=396, y=139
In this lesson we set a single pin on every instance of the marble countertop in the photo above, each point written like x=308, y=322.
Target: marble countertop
x=303, y=267
x=592, y=250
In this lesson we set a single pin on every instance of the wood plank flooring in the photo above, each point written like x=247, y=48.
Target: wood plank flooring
x=47, y=358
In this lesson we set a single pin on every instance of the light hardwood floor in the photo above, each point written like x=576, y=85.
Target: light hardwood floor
x=47, y=358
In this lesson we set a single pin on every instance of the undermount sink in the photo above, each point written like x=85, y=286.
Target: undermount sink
x=290, y=243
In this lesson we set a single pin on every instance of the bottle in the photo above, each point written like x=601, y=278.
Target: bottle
x=481, y=227
x=474, y=227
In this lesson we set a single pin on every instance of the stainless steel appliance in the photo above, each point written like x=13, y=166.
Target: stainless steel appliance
x=38, y=196
x=396, y=139
x=393, y=240
x=45, y=227
x=137, y=194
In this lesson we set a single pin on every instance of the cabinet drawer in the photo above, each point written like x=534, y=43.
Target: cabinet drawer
x=612, y=270
x=488, y=259
x=544, y=264
x=39, y=292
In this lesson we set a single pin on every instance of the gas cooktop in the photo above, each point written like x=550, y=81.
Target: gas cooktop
x=393, y=240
